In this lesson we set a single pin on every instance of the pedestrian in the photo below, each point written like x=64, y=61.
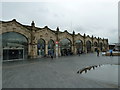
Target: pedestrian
x=97, y=52
x=111, y=52
x=79, y=52
x=51, y=54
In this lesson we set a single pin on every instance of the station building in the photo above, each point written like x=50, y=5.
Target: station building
x=22, y=41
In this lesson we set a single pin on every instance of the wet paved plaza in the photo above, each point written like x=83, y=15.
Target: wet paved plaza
x=57, y=73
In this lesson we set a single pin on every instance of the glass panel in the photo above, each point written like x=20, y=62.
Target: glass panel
x=79, y=46
x=51, y=45
x=65, y=46
x=5, y=54
x=88, y=45
x=14, y=40
x=41, y=47
x=10, y=54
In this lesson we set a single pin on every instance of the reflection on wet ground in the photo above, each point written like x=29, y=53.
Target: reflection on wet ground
x=56, y=73
x=88, y=68
x=106, y=73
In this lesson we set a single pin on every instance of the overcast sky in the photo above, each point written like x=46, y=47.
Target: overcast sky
x=93, y=17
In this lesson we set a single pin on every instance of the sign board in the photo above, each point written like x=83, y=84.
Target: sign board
x=56, y=45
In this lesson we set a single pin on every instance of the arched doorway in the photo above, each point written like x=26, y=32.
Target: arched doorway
x=65, y=47
x=88, y=46
x=41, y=47
x=95, y=46
x=15, y=46
x=101, y=45
x=79, y=46
x=51, y=47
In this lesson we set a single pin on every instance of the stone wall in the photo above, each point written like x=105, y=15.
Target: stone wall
x=33, y=34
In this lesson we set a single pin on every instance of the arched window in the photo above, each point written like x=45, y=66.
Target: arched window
x=79, y=46
x=65, y=46
x=95, y=46
x=41, y=47
x=88, y=46
x=15, y=46
x=51, y=48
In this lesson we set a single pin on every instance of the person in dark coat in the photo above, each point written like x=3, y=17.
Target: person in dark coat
x=97, y=52
x=79, y=52
x=52, y=54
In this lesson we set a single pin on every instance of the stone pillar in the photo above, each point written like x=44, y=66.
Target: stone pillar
x=107, y=47
x=56, y=51
x=85, y=49
x=98, y=44
x=33, y=43
x=73, y=42
x=84, y=44
x=59, y=51
x=33, y=50
x=92, y=46
x=46, y=48
x=107, y=44
x=57, y=39
x=29, y=49
x=75, y=50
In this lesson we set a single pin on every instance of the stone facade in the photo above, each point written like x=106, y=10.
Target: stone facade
x=33, y=34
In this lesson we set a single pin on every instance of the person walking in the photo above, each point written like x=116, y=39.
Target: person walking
x=52, y=54
x=79, y=52
x=97, y=52
x=111, y=52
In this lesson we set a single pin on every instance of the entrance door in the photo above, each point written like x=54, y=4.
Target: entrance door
x=11, y=54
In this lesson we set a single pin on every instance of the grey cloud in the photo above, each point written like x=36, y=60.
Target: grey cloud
x=93, y=18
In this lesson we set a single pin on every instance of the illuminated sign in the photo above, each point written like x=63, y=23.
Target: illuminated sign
x=56, y=42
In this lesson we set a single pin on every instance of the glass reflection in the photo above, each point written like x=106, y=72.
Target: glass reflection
x=79, y=46
x=65, y=46
x=88, y=45
x=95, y=46
x=15, y=46
x=51, y=45
x=41, y=47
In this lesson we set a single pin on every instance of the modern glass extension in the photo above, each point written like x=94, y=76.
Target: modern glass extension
x=15, y=46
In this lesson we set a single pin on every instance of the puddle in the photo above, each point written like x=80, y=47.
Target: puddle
x=104, y=73
x=86, y=69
